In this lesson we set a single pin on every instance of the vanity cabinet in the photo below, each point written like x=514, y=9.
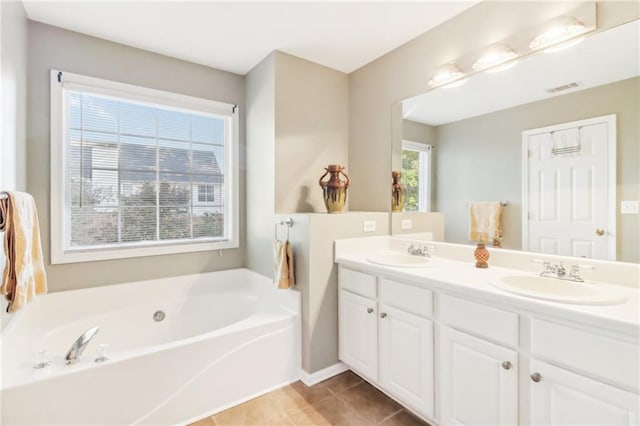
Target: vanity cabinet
x=388, y=339
x=494, y=366
x=406, y=357
x=478, y=381
x=560, y=397
x=358, y=334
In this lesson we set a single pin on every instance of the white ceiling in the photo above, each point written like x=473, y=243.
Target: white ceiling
x=236, y=35
x=602, y=58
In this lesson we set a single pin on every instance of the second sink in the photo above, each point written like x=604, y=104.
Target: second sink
x=556, y=290
x=399, y=260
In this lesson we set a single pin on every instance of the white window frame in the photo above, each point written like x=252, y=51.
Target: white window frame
x=424, y=172
x=70, y=81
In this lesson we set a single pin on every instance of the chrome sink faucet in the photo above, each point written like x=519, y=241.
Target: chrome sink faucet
x=560, y=272
x=419, y=250
x=78, y=347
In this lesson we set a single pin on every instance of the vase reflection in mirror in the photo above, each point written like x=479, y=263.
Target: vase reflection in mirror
x=334, y=190
x=398, y=192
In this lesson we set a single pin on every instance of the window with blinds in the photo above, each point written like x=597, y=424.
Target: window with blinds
x=143, y=174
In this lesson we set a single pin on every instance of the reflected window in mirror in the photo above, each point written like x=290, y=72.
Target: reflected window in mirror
x=416, y=175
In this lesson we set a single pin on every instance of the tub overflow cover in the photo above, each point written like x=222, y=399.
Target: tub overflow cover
x=159, y=315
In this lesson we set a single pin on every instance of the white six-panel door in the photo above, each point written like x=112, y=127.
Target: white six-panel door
x=569, y=189
x=479, y=381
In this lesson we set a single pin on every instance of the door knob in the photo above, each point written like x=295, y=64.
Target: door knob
x=506, y=365
x=369, y=310
x=536, y=377
x=383, y=315
x=599, y=232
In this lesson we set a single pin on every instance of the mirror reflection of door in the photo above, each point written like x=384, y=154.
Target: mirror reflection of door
x=416, y=175
x=569, y=173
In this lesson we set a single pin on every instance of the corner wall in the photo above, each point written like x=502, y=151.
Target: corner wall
x=312, y=131
x=261, y=165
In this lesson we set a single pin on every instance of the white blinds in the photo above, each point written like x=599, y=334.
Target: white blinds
x=138, y=172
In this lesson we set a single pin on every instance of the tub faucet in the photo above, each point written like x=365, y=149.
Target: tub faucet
x=79, y=345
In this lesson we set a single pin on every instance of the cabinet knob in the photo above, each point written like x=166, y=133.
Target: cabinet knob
x=369, y=310
x=506, y=365
x=383, y=315
x=536, y=377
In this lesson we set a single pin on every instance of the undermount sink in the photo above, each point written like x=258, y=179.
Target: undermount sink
x=556, y=290
x=399, y=260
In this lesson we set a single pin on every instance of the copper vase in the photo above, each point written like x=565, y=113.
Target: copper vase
x=334, y=190
x=398, y=192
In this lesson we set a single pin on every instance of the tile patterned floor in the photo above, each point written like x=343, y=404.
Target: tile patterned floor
x=343, y=400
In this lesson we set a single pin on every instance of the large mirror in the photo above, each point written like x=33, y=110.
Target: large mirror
x=575, y=189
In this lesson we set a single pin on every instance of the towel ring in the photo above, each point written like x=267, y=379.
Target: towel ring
x=288, y=223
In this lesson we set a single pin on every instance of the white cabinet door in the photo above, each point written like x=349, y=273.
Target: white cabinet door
x=406, y=358
x=479, y=381
x=358, y=334
x=560, y=397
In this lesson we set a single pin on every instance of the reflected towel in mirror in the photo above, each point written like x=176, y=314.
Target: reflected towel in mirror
x=485, y=222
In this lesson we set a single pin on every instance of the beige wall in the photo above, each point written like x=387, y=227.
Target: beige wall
x=312, y=237
x=261, y=165
x=51, y=47
x=311, y=130
x=480, y=158
x=403, y=73
x=13, y=95
x=418, y=132
x=297, y=123
x=421, y=222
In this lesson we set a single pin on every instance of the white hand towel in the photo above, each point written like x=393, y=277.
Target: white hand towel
x=283, y=265
x=24, y=275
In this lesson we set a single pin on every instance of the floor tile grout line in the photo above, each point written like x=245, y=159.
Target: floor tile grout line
x=391, y=415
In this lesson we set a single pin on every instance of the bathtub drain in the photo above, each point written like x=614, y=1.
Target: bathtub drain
x=159, y=315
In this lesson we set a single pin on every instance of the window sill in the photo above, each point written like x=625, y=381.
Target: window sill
x=61, y=256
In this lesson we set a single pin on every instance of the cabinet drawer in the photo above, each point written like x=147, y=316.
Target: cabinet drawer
x=358, y=282
x=591, y=353
x=416, y=300
x=492, y=323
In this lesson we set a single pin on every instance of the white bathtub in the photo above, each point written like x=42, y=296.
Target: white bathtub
x=227, y=337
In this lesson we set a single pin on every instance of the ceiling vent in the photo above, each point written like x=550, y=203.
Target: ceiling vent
x=564, y=87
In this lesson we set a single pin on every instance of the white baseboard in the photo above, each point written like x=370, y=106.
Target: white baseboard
x=311, y=379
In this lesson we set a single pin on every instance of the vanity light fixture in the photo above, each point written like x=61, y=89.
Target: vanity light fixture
x=447, y=75
x=558, y=31
x=497, y=57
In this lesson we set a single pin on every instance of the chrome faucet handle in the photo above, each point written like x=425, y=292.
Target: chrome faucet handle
x=575, y=271
x=547, y=268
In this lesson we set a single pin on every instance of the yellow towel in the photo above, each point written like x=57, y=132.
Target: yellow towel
x=485, y=221
x=283, y=264
x=24, y=274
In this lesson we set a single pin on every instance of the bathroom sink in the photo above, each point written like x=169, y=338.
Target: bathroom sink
x=399, y=260
x=537, y=287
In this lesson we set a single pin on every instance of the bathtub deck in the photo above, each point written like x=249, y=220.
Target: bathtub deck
x=341, y=400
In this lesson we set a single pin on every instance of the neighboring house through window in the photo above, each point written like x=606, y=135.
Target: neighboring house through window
x=416, y=175
x=137, y=171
